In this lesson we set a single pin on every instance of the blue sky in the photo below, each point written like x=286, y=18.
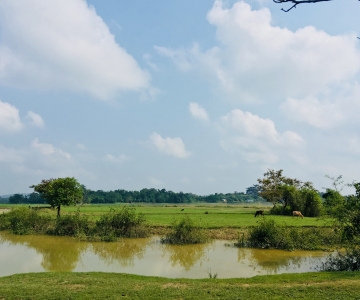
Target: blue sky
x=192, y=96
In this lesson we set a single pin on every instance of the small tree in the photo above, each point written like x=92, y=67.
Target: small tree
x=60, y=191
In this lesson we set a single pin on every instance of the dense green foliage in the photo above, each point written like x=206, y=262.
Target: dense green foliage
x=33, y=198
x=163, y=196
x=51, y=285
x=60, y=191
x=185, y=231
x=291, y=194
x=268, y=234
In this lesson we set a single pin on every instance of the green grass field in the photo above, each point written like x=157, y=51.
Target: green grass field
x=336, y=285
x=217, y=216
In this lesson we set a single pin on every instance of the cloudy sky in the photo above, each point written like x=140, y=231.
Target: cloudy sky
x=193, y=96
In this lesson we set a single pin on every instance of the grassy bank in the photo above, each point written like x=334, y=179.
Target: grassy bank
x=336, y=285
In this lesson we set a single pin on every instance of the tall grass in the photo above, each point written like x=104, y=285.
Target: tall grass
x=268, y=234
x=185, y=231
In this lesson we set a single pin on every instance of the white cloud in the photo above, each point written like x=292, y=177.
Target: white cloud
x=325, y=112
x=9, y=118
x=64, y=44
x=256, y=139
x=9, y=155
x=256, y=60
x=36, y=120
x=115, y=159
x=48, y=150
x=198, y=112
x=169, y=146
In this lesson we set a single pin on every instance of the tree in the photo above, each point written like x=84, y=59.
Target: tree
x=17, y=198
x=349, y=215
x=278, y=189
x=60, y=191
x=297, y=2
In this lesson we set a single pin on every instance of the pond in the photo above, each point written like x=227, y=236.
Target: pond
x=24, y=254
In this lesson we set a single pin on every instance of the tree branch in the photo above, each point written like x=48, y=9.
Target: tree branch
x=297, y=2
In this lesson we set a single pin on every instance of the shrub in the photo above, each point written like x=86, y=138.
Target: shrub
x=121, y=223
x=23, y=220
x=185, y=231
x=71, y=225
x=268, y=234
x=348, y=261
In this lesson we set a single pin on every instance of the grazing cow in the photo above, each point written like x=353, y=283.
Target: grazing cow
x=297, y=214
x=259, y=213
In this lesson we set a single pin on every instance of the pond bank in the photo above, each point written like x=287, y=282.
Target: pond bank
x=229, y=234
x=335, y=285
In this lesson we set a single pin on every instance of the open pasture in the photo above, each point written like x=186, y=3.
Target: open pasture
x=208, y=215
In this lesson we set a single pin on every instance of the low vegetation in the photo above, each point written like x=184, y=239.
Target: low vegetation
x=124, y=222
x=185, y=231
x=268, y=234
x=343, y=261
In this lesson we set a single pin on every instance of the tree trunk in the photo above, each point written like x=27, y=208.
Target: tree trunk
x=58, y=211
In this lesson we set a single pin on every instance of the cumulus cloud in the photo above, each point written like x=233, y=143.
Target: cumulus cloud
x=38, y=158
x=254, y=59
x=325, y=112
x=198, y=112
x=64, y=45
x=169, y=146
x=255, y=138
x=35, y=119
x=9, y=118
x=115, y=159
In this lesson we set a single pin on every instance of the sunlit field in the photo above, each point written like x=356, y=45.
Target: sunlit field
x=209, y=215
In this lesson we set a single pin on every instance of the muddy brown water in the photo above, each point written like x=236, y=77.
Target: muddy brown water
x=23, y=254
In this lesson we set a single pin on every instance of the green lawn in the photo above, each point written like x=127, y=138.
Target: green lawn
x=337, y=285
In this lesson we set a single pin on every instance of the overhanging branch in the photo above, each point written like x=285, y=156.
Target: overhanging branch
x=297, y=2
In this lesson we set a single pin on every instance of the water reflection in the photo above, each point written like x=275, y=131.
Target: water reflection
x=123, y=252
x=278, y=261
x=23, y=254
x=186, y=256
x=58, y=254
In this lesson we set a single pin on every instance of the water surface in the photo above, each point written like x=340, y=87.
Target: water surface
x=23, y=254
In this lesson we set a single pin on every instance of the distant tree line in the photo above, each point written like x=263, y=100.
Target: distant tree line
x=147, y=196
x=163, y=196
x=33, y=198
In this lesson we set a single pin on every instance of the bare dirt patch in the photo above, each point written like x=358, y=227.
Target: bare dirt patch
x=4, y=210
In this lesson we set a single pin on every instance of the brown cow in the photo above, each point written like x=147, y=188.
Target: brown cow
x=259, y=213
x=297, y=214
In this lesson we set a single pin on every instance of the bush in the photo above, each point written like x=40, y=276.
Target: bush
x=348, y=261
x=23, y=220
x=121, y=223
x=185, y=231
x=71, y=225
x=268, y=234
